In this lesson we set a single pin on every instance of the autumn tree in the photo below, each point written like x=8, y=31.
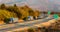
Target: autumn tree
x=15, y=10
x=6, y=14
x=31, y=12
x=24, y=11
x=36, y=13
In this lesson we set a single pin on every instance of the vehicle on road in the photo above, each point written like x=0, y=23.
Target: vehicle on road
x=11, y=20
x=30, y=18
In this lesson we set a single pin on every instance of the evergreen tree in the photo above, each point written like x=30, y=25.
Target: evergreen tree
x=2, y=6
x=15, y=5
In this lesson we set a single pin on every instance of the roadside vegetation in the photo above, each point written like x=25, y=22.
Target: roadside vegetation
x=21, y=12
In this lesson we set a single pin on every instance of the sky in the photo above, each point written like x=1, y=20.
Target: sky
x=42, y=5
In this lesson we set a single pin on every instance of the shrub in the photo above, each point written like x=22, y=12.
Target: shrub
x=30, y=30
x=6, y=20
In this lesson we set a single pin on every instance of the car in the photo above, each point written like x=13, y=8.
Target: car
x=30, y=18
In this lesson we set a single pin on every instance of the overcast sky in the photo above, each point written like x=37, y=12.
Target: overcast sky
x=42, y=5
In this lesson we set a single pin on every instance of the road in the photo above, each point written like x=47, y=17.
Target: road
x=7, y=27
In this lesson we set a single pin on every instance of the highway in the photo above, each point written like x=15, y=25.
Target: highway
x=7, y=27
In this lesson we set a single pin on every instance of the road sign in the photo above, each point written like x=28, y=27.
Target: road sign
x=49, y=12
x=56, y=16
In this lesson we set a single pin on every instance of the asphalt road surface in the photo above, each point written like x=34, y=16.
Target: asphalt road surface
x=7, y=27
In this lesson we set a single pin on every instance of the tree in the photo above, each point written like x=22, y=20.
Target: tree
x=15, y=10
x=31, y=12
x=15, y=5
x=24, y=12
x=6, y=14
x=36, y=13
x=2, y=6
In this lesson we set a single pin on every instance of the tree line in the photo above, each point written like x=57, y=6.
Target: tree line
x=17, y=11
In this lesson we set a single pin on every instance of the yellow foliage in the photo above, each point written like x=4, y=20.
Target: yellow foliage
x=15, y=11
x=36, y=13
x=6, y=14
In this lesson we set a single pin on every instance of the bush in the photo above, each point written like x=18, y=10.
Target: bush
x=25, y=18
x=6, y=20
x=30, y=30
